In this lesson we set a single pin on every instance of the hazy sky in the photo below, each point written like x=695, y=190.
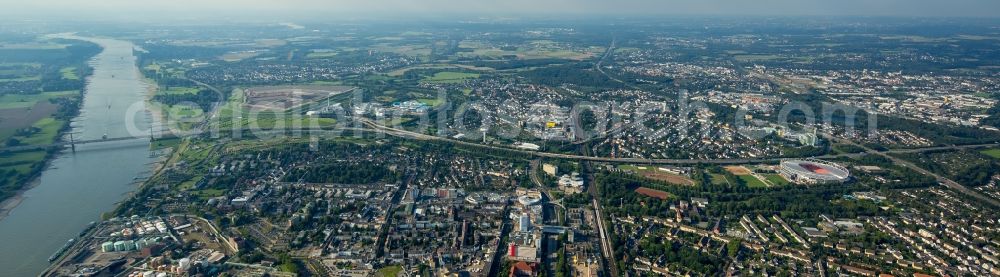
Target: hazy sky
x=166, y=8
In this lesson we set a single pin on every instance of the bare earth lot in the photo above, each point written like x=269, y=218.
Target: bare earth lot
x=17, y=118
x=280, y=98
x=738, y=170
x=652, y=193
x=669, y=178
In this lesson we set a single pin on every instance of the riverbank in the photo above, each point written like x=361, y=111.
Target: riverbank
x=12, y=202
x=77, y=188
x=163, y=155
x=47, y=115
x=155, y=110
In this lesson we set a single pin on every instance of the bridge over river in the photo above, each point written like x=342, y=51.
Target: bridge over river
x=71, y=143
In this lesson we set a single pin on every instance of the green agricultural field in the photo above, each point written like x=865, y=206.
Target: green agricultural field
x=539, y=49
x=18, y=165
x=417, y=50
x=752, y=182
x=450, y=77
x=12, y=159
x=321, y=55
x=327, y=83
x=178, y=90
x=165, y=70
x=238, y=56
x=69, y=73
x=911, y=38
x=994, y=153
x=183, y=117
x=777, y=180
x=22, y=168
x=433, y=102
x=11, y=101
x=184, y=111
x=22, y=79
x=755, y=58
x=719, y=179
x=34, y=45
x=165, y=143
x=48, y=131
x=401, y=71
x=560, y=53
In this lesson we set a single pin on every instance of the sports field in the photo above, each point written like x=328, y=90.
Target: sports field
x=658, y=174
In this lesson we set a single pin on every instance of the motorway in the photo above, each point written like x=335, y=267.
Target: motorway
x=944, y=181
x=606, y=248
x=413, y=135
x=941, y=179
x=372, y=126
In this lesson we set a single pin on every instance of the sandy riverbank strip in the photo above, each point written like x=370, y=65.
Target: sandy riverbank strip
x=8, y=205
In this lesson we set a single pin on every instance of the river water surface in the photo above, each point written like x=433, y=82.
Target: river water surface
x=77, y=187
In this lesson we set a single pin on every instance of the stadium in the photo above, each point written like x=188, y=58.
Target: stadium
x=813, y=172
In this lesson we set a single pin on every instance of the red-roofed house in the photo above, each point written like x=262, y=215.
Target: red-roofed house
x=523, y=269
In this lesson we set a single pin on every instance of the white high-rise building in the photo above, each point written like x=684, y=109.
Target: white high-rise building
x=524, y=223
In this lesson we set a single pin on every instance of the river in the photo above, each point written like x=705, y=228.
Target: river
x=77, y=187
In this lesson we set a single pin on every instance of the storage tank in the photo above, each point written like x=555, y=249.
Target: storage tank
x=108, y=247
x=141, y=243
x=120, y=246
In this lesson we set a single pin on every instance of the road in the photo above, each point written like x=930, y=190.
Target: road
x=537, y=180
x=413, y=135
x=214, y=113
x=607, y=55
x=372, y=126
x=498, y=253
x=941, y=179
x=383, y=236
